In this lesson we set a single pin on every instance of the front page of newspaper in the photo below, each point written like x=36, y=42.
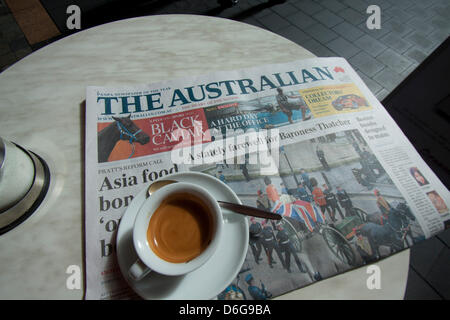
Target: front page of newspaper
x=306, y=140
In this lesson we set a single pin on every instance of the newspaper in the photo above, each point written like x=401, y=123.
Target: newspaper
x=306, y=140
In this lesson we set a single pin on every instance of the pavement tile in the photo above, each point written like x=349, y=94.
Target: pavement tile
x=328, y=18
x=422, y=4
x=370, y=45
x=367, y=64
x=415, y=54
x=420, y=12
x=318, y=49
x=262, y=13
x=348, y=31
x=403, y=4
x=425, y=27
x=7, y=59
x=436, y=42
x=395, y=42
x=34, y=21
x=301, y=20
x=438, y=36
x=333, y=5
x=358, y=5
x=397, y=28
x=410, y=69
x=294, y=34
x=6, y=19
x=420, y=40
x=383, y=93
x=19, y=43
x=252, y=21
x=441, y=24
x=399, y=14
x=11, y=31
x=442, y=10
x=321, y=33
x=372, y=85
x=431, y=50
x=388, y=78
x=394, y=60
x=352, y=16
x=285, y=9
x=383, y=4
x=308, y=6
x=22, y=53
x=273, y=22
x=4, y=48
x=343, y=48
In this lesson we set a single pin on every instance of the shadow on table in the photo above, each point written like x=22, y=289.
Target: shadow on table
x=252, y=10
x=119, y=9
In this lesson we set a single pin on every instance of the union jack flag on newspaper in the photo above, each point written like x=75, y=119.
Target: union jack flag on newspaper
x=283, y=209
x=302, y=211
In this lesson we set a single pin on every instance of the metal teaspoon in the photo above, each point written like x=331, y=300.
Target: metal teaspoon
x=238, y=208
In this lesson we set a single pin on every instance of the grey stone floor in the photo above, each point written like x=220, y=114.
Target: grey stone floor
x=410, y=31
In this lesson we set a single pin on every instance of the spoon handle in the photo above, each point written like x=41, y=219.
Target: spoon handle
x=249, y=211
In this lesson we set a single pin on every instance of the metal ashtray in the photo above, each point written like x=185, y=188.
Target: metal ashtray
x=15, y=210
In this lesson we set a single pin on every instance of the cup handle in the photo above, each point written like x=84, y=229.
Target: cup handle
x=138, y=270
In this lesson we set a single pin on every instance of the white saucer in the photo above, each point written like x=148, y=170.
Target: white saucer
x=211, y=278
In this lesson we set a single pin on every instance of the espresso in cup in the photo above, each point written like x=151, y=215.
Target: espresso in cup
x=180, y=229
x=176, y=231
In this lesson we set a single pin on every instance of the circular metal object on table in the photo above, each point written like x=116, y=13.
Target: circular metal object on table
x=19, y=212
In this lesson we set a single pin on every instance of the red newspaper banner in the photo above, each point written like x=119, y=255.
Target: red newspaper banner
x=164, y=133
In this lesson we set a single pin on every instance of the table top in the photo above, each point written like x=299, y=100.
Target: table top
x=42, y=109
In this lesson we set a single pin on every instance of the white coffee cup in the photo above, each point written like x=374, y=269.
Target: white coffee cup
x=148, y=260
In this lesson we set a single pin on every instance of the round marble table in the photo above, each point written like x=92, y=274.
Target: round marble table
x=41, y=108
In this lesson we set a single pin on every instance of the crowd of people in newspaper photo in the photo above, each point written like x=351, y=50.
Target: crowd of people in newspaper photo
x=335, y=198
